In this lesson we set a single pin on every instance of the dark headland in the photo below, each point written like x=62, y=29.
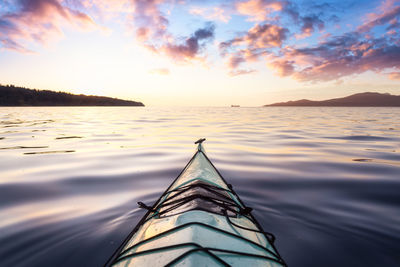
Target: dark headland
x=11, y=95
x=367, y=99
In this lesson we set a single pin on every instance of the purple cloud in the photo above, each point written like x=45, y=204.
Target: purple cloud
x=380, y=19
x=192, y=45
x=240, y=72
x=150, y=23
x=310, y=24
x=38, y=21
x=336, y=57
x=253, y=44
x=343, y=56
x=273, y=35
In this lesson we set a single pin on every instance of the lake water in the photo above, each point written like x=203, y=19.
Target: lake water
x=325, y=181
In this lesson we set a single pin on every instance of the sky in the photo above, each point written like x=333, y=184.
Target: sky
x=202, y=52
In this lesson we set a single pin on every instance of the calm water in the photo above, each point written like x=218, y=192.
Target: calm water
x=325, y=181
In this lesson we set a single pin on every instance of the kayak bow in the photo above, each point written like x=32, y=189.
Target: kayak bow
x=198, y=221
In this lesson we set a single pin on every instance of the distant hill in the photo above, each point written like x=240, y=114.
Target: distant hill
x=367, y=99
x=11, y=95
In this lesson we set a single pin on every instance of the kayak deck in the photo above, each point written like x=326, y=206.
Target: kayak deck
x=198, y=221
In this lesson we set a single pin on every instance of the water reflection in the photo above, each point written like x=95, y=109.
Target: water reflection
x=68, y=137
x=23, y=147
x=325, y=181
x=49, y=152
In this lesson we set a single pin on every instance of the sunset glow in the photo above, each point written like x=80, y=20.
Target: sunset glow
x=202, y=53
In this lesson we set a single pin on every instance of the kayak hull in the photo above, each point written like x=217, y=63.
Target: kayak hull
x=198, y=221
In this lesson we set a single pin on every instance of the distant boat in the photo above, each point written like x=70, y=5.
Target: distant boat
x=235, y=106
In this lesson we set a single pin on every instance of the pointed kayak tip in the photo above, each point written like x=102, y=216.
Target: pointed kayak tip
x=199, y=142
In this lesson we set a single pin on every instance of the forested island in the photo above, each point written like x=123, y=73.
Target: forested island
x=11, y=95
x=367, y=99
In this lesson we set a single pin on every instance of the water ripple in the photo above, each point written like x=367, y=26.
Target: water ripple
x=325, y=181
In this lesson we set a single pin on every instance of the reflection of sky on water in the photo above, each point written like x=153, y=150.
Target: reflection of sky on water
x=318, y=178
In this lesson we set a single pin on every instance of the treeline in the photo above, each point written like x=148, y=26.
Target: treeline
x=11, y=95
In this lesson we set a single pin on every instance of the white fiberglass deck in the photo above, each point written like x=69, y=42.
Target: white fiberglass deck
x=197, y=237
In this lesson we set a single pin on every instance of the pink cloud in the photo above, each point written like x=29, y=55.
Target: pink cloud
x=240, y=72
x=390, y=12
x=44, y=20
x=267, y=39
x=333, y=58
x=191, y=47
x=151, y=28
x=310, y=23
x=267, y=35
x=235, y=60
x=346, y=56
x=211, y=13
x=283, y=67
x=253, y=44
x=150, y=23
x=258, y=10
x=352, y=53
x=160, y=71
x=11, y=45
x=394, y=76
x=258, y=37
x=38, y=21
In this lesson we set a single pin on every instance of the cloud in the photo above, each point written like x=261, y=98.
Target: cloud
x=266, y=35
x=149, y=22
x=259, y=10
x=310, y=24
x=192, y=46
x=12, y=45
x=394, y=76
x=211, y=13
x=389, y=14
x=253, y=44
x=273, y=33
x=30, y=21
x=266, y=38
x=151, y=27
x=344, y=56
x=332, y=58
x=235, y=60
x=352, y=53
x=38, y=21
x=260, y=36
x=160, y=71
x=283, y=67
x=240, y=72
x=263, y=11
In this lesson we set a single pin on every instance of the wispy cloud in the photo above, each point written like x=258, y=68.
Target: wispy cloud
x=149, y=22
x=240, y=72
x=260, y=36
x=333, y=58
x=160, y=71
x=294, y=41
x=192, y=46
x=389, y=13
x=283, y=67
x=38, y=21
x=259, y=10
x=151, y=27
x=352, y=53
x=310, y=24
x=216, y=13
x=346, y=55
x=394, y=75
x=253, y=44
